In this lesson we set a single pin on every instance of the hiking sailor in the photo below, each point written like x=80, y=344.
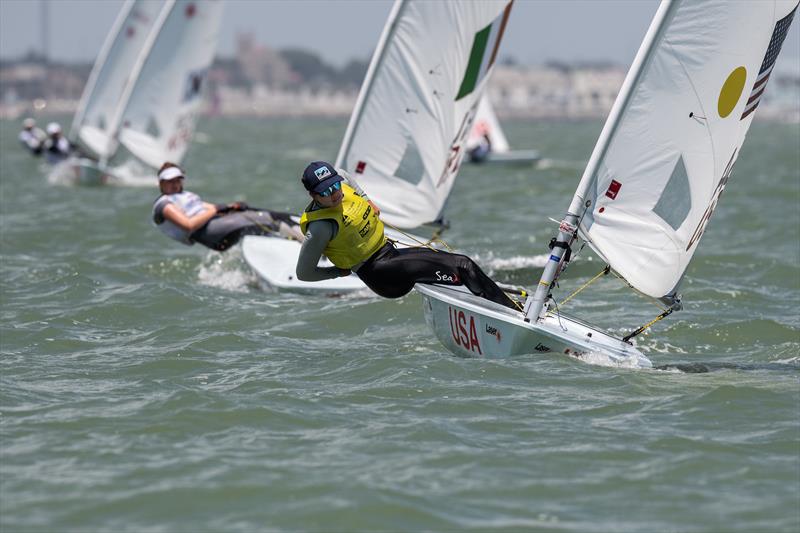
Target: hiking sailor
x=56, y=148
x=182, y=215
x=342, y=223
x=32, y=137
x=479, y=152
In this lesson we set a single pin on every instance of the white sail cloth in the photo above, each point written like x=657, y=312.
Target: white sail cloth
x=407, y=135
x=109, y=76
x=158, y=120
x=671, y=153
x=486, y=123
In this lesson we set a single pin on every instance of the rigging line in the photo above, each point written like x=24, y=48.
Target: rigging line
x=567, y=255
x=629, y=336
x=264, y=228
x=434, y=238
x=575, y=237
x=646, y=297
x=603, y=272
x=557, y=314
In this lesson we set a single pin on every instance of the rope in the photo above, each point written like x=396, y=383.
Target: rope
x=266, y=229
x=261, y=226
x=629, y=336
x=434, y=238
x=603, y=272
x=650, y=298
x=665, y=312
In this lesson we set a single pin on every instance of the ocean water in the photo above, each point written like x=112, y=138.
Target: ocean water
x=148, y=386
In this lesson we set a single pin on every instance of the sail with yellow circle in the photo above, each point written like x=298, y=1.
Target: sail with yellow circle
x=669, y=147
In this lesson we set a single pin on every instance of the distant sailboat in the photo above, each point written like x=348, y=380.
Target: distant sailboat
x=654, y=179
x=406, y=137
x=91, y=126
x=144, y=91
x=497, y=150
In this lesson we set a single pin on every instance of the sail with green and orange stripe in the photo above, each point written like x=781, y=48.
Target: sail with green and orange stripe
x=484, y=51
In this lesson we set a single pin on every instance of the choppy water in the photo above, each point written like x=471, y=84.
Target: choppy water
x=147, y=386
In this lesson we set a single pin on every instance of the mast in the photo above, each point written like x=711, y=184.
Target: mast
x=366, y=87
x=98, y=66
x=534, y=306
x=114, y=124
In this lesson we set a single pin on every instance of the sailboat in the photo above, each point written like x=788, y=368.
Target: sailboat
x=654, y=179
x=487, y=124
x=138, y=108
x=406, y=137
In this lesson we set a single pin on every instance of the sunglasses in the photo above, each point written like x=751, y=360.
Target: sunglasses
x=330, y=190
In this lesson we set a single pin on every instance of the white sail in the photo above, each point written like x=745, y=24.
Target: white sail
x=407, y=134
x=668, y=148
x=158, y=120
x=109, y=76
x=486, y=123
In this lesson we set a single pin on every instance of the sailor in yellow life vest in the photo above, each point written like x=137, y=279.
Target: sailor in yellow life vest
x=342, y=223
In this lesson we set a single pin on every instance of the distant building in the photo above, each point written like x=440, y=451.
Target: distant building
x=261, y=81
x=558, y=91
x=554, y=91
x=261, y=65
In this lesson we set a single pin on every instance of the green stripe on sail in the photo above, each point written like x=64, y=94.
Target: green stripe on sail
x=475, y=60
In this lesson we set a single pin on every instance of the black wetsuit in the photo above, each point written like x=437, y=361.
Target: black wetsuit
x=391, y=272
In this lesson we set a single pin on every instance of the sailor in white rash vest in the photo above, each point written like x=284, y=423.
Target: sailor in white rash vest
x=32, y=137
x=182, y=215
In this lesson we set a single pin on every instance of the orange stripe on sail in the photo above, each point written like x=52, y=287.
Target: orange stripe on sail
x=497, y=41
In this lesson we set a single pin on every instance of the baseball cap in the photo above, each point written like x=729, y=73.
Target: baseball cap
x=319, y=175
x=53, y=127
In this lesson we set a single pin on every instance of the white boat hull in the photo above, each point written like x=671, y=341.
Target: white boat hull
x=471, y=326
x=79, y=171
x=85, y=171
x=274, y=260
x=514, y=157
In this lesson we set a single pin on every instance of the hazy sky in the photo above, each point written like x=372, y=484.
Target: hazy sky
x=339, y=30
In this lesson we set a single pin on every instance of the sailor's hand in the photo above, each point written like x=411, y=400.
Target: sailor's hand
x=239, y=206
x=375, y=208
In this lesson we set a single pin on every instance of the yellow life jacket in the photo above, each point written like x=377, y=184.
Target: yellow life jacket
x=360, y=230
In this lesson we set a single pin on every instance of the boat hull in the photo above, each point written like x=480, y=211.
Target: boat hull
x=88, y=172
x=79, y=171
x=514, y=157
x=474, y=327
x=274, y=260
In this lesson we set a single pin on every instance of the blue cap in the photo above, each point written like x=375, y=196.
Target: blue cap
x=319, y=175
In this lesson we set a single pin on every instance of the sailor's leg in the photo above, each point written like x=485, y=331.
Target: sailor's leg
x=223, y=231
x=274, y=222
x=385, y=276
x=397, y=272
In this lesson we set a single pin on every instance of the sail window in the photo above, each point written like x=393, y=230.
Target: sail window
x=152, y=127
x=411, y=167
x=675, y=202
